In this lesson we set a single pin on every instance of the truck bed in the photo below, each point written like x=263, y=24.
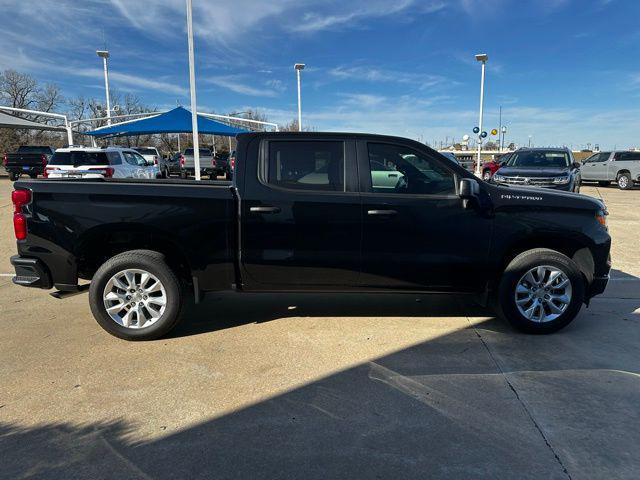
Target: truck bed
x=68, y=220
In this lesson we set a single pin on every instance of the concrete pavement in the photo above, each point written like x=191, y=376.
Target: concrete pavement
x=335, y=386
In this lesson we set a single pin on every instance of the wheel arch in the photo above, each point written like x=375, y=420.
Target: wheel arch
x=575, y=249
x=102, y=242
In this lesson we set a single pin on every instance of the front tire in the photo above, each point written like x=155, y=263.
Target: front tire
x=136, y=296
x=625, y=182
x=541, y=291
x=14, y=176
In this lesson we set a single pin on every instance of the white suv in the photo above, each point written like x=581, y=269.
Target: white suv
x=90, y=162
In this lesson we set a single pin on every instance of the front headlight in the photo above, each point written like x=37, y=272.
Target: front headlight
x=498, y=178
x=561, y=180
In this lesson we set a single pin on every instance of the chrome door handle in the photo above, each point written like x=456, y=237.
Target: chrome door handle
x=382, y=213
x=264, y=209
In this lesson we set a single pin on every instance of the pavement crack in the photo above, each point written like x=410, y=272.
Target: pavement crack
x=522, y=403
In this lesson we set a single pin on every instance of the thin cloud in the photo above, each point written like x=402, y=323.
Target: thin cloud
x=373, y=74
x=232, y=83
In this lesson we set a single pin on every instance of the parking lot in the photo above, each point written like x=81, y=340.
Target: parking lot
x=324, y=386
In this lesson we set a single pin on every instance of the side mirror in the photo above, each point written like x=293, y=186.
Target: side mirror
x=468, y=191
x=469, y=188
x=577, y=164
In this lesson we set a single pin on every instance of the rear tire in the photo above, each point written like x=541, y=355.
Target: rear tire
x=625, y=182
x=183, y=175
x=543, y=305
x=142, y=293
x=604, y=184
x=14, y=176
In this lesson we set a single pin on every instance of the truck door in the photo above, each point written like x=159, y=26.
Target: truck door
x=596, y=167
x=301, y=216
x=418, y=235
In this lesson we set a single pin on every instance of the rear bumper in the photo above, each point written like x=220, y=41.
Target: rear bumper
x=26, y=170
x=31, y=272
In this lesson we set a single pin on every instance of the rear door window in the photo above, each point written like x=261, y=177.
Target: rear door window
x=79, y=158
x=114, y=158
x=307, y=165
x=627, y=156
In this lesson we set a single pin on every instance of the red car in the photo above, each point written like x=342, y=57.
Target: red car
x=489, y=168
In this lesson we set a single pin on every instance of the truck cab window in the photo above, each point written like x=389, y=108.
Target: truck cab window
x=306, y=165
x=399, y=169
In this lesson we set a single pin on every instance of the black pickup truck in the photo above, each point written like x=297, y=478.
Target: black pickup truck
x=320, y=212
x=29, y=160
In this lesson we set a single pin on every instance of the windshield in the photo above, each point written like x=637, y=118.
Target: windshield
x=30, y=149
x=204, y=152
x=539, y=159
x=146, y=151
x=78, y=159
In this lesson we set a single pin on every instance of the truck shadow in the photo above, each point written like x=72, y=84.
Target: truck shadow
x=228, y=310
x=219, y=311
x=481, y=401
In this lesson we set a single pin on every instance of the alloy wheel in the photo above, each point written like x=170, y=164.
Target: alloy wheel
x=543, y=293
x=134, y=298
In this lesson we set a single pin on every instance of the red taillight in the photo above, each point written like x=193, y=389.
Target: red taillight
x=213, y=162
x=5, y=160
x=181, y=161
x=20, y=226
x=19, y=199
x=233, y=163
x=43, y=158
x=155, y=160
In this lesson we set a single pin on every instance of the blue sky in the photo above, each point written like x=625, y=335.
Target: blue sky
x=564, y=71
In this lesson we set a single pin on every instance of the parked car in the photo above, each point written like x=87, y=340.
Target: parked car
x=88, y=162
x=174, y=164
x=221, y=166
x=187, y=165
x=491, y=167
x=606, y=167
x=28, y=159
x=142, y=244
x=540, y=167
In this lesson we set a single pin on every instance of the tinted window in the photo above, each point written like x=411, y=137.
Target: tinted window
x=114, y=158
x=407, y=171
x=539, y=159
x=147, y=151
x=130, y=158
x=204, y=152
x=307, y=165
x=627, y=156
x=79, y=158
x=33, y=149
x=598, y=157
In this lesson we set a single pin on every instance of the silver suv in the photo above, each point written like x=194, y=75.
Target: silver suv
x=607, y=167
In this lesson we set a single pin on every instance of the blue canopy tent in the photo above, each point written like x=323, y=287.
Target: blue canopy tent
x=177, y=120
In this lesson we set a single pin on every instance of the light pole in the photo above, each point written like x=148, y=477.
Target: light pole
x=482, y=58
x=299, y=67
x=192, y=88
x=104, y=54
x=529, y=141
